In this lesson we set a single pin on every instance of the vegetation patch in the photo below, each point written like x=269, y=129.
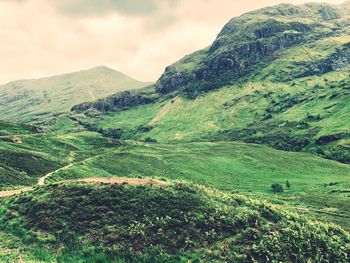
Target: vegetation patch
x=152, y=224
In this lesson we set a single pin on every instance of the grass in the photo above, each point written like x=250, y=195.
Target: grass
x=8, y=128
x=41, y=99
x=21, y=164
x=181, y=222
x=294, y=98
x=230, y=166
x=251, y=112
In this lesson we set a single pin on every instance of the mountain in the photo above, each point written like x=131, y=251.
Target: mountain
x=277, y=76
x=34, y=100
x=175, y=171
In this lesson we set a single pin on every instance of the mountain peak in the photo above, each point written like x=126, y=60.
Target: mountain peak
x=42, y=97
x=102, y=68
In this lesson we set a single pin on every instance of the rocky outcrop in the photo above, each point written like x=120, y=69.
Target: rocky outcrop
x=331, y=138
x=239, y=47
x=120, y=101
x=340, y=59
x=252, y=40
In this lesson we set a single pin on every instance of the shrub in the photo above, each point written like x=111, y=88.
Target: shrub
x=288, y=184
x=113, y=133
x=277, y=188
x=149, y=139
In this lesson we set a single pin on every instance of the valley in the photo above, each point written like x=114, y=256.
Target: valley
x=240, y=152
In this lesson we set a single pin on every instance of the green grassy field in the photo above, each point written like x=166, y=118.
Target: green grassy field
x=8, y=128
x=318, y=185
x=287, y=116
x=250, y=139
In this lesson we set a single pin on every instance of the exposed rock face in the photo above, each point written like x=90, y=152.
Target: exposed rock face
x=336, y=61
x=245, y=44
x=231, y=59
x=119, y=101
x=251, y=39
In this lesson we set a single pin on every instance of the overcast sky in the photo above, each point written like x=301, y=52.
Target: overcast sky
x=137, y=37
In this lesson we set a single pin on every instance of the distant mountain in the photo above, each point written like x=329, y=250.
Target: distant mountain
x=31, y=100
x=277, y=76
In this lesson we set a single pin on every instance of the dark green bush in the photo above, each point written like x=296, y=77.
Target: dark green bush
x=277, y=188
x=288, y=185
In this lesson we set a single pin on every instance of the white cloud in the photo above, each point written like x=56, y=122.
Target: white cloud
x=38, y=39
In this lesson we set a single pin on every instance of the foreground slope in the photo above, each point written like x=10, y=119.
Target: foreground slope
x=277, y=76
x=319, y=187
x=174, y=223
x=31, y=100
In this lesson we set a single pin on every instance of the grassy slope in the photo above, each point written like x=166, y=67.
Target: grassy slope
x=34, y=100
x=231, y=167
x=34, y=156
x=111, y=223
x=8, y=128
x=262, y=102
x=320, y=188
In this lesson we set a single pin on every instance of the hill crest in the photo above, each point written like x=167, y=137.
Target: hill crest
x=36, y=99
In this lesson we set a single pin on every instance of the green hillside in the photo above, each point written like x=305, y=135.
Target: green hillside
x=277, y=76
x=26, y=156
x=39, y=99
x=9, y=128
x=320, y=185
x=240, y=152
x=179, y=222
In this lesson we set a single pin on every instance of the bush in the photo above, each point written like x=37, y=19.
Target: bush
x=123, y=223
x=113, y=133
x=149, y=139
x=277, y=188
x=288, y=184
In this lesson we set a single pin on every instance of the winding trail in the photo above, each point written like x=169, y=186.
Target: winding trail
x=116, y=180
x=42, y=179
x=15, y=192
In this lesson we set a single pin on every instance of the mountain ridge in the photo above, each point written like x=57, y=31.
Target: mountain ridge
x=93, y=69
x=33, y=99
x=224, y=159
x=276, y=76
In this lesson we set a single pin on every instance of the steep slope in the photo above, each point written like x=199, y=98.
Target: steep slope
x=250, y=40
x=32, y=100
x=276, y=76
x=174, y=223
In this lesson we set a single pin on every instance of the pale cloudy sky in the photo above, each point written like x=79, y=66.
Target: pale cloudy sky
x=137, y=37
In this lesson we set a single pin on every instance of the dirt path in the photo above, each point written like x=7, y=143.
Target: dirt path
x=132, y=181
x=41, y=182
x=42, y=179
x=15, y=192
